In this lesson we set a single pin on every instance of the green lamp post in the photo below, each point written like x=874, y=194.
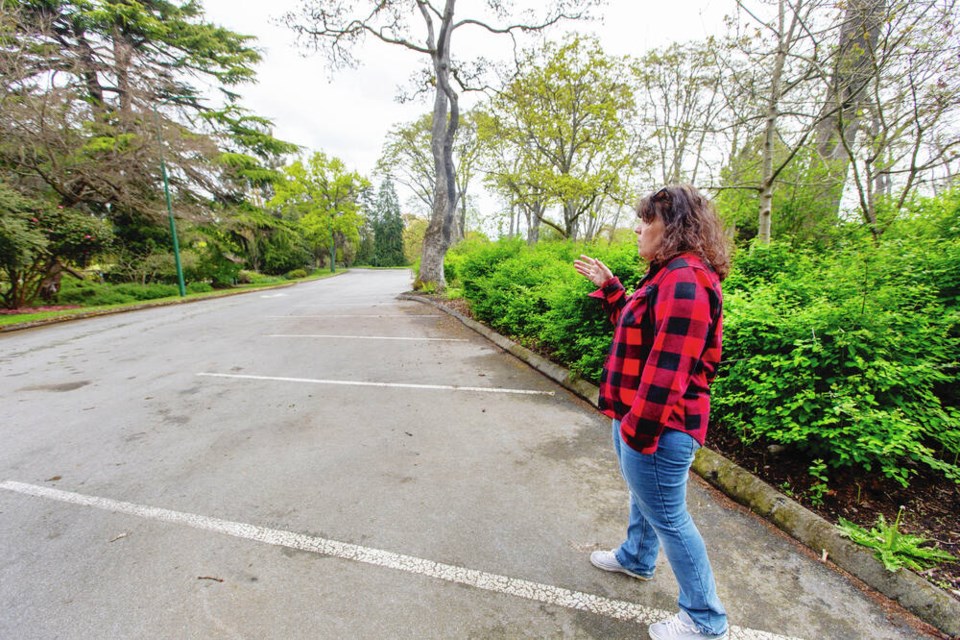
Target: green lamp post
x=173, y=224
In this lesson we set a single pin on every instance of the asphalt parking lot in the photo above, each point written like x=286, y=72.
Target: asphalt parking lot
x=328, y=461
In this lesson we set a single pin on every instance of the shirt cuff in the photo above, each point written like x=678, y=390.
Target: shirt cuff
x=608, y=288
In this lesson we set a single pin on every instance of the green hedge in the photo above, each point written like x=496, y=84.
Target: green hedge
x=534, y=295
x=90, y=293
x=849, y=355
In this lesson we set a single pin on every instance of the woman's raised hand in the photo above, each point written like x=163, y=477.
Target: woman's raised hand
x=593, y=270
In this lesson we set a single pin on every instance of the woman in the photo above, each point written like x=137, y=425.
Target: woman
x=655, y=386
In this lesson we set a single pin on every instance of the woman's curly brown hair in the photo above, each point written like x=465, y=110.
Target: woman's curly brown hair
x=690, y=225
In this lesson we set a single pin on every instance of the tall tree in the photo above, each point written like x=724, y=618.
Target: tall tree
x=906, y=128
x=95, y=92
x=566, y=115
x=681, y=108
x=337, y=25
x=323, y=198
x=508, y=171
x=847, y=88
x=38, y=242
x=407, y=157
x=388, y=229
x=772, y=70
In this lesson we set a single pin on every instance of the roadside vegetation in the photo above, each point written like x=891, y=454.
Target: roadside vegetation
x=86, y=297
x=840, y=382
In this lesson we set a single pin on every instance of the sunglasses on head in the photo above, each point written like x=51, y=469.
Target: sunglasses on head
x=648, y=214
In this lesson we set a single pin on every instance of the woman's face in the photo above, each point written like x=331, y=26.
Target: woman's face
x=649, y=237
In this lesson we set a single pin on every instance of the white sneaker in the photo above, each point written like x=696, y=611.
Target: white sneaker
x=680, y=627
x=607, y=560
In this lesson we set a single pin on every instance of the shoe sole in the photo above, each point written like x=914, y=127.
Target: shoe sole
x=625, y=572
x=723, y=637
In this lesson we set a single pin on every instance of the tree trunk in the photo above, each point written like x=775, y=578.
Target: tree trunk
x=534, y=216
x=460, y=228
x=439, y=232
x=570, y=220
x=766, y=178
x=122, y=54
x=770, y=128
x=89, y=73
x=853, y=70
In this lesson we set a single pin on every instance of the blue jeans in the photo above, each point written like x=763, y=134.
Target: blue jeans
x=658, y=515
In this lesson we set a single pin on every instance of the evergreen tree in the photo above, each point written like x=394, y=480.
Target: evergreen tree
x=132, y=79
x=388, y=228
x=366, y=249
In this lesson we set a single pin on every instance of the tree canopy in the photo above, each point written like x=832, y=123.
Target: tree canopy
x=322, y=197
x=557, y=132
x=96, y=94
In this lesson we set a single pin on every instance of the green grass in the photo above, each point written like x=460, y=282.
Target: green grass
x=13, y=320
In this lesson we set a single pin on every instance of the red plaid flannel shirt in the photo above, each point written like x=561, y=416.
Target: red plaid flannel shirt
x=665, y=351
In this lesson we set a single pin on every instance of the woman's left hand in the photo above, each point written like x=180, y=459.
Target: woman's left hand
x=593, y=270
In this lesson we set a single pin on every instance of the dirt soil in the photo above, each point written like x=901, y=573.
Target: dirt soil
x=931, y=503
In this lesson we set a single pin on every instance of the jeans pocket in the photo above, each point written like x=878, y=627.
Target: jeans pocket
x=677, y=447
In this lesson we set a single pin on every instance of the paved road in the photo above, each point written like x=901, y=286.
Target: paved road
x=326, y=461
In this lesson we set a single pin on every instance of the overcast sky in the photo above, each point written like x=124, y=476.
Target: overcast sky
x=348, y=114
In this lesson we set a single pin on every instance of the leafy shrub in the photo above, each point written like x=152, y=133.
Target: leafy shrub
x=295, y=274
x=215, y=262
x=146, y=291
x=842, y=360
x=199, y=287
x=848, y=356
x=252, y=277
x=480, y=262
x=457, y=254
x=90, y=293
x=533, y=294
x=283, y=251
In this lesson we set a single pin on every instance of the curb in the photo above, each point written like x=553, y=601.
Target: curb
x=929, y=603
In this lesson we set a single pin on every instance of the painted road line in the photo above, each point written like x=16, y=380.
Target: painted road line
x=350, y=304
x=394, y=385
x=357, y=315
x=515, y=587
x=338, y=337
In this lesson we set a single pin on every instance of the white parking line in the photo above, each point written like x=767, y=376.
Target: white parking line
x=515, y=587
x=368, y=315
x=351, y=304
x=338, y=337
x=395, y=385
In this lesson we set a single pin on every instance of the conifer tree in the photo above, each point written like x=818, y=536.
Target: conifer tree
x=388, y=228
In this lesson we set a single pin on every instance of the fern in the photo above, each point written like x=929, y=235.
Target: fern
x=895, y=549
